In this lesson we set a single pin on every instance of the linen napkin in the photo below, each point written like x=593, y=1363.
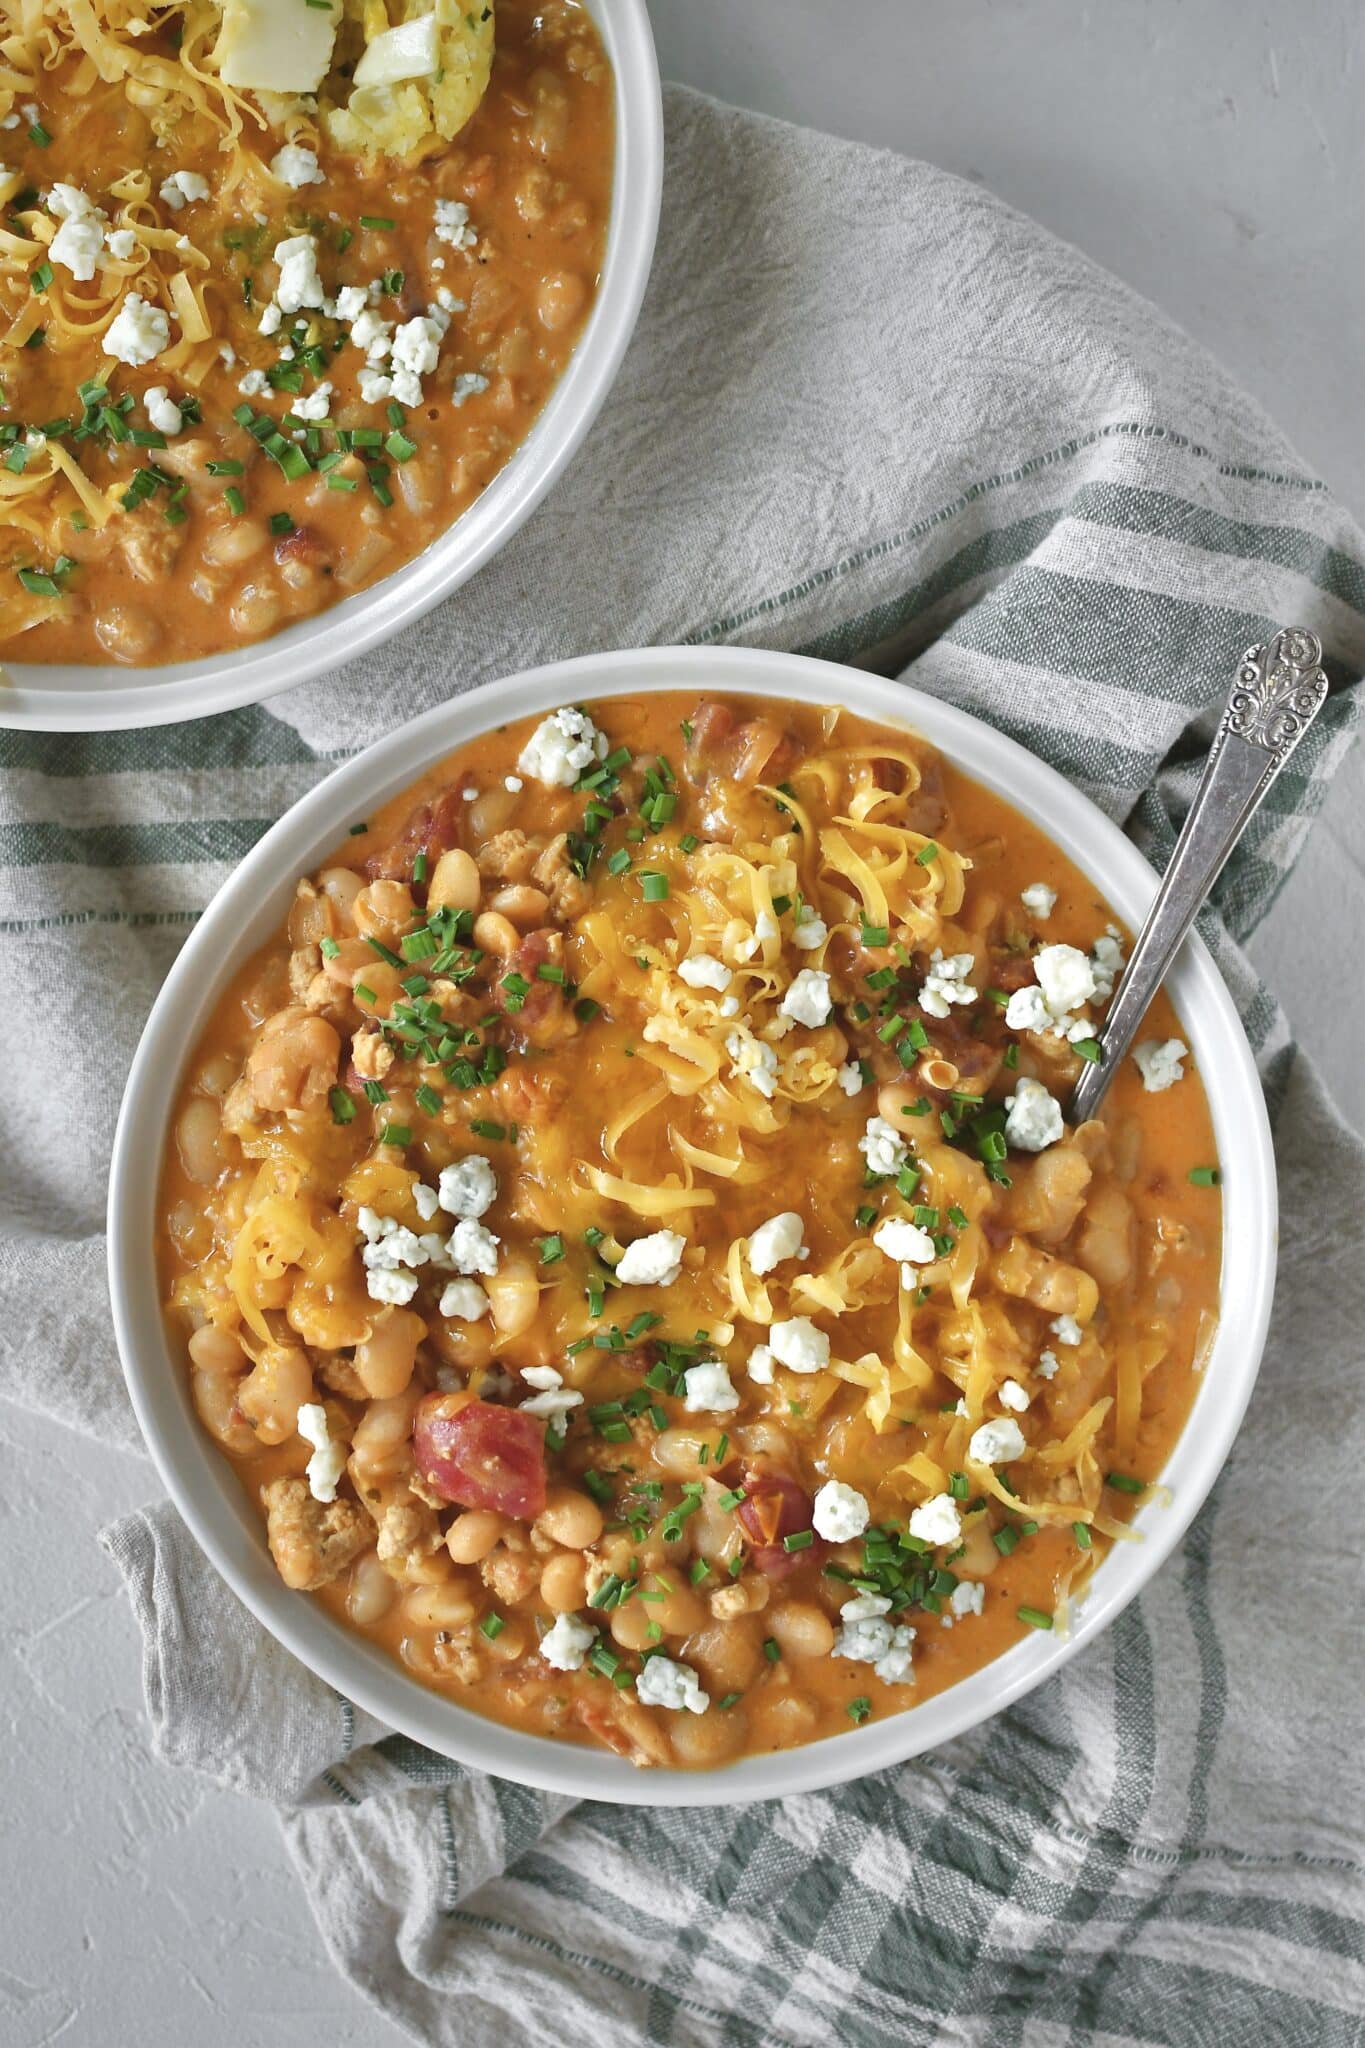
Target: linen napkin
x=870, y=413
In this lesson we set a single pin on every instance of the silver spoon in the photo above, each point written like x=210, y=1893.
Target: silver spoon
x=1275, y=696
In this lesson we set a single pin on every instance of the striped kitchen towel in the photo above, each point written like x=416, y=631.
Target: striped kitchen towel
x=873, y=414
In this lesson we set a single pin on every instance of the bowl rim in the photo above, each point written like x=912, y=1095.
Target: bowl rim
x=252, y=903
x=104, y=696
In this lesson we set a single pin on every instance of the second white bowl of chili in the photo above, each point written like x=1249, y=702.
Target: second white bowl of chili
x=209, y=581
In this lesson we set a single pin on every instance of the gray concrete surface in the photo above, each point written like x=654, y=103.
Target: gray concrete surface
x=1211, y=152
x=1214, y=156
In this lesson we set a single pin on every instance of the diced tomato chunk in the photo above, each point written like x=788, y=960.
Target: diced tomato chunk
x=764, y=753
x=775, y=1506
x=712, y=724
x=531, y=1004
x=481, y=1456
x=302, y=544
x=431, y=829
x=757, y=751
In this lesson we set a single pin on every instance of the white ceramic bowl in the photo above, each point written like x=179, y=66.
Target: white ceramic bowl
x=252, y=905
x=72, y=697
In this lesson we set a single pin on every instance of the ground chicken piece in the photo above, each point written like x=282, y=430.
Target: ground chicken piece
x=239, y=1109
x=596, y=1573
x=408, y=1533
x=149, y=550
x=454, y=1653
x=569, y=895
x=527, y=1091
x=532, y=1684
x=305, y=964
x=508, y=1576
x=322, y=994
x=623, y=1726
x=371, y=1055
x=457, y=1007
x=625, y=1457
x=339, y=1376
x=729, y=1601
x=508, y=856
x=310, y=1542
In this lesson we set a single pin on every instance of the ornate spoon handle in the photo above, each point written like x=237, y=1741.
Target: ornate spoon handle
x=1276, y=694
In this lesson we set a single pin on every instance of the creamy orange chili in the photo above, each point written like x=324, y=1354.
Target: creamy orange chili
x=625, y=1234
x=251, y=358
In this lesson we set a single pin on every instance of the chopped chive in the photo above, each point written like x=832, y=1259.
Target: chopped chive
x=39, y=135
x=234, y=501
x=772, y=1649
x=483, y=1128
x=800, y=1539
x=41, y=278
x=395, y=1134
x=957, y=1484
x=859, y=1709
x=225, y=468
x=376, y=220
x=343, y=1106
x=1122, y=1482
x=927, y=853
x=1089, y=1049
x=1206, y=1176
x=654, y=886
x=1082, y=1535
x=41, y=584
x=492, y=1626
x=280, y=522
x=427, y=1100
x=1034, y=1616
x=551, y=1249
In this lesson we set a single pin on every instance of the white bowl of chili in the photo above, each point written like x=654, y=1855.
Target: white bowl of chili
x=251, y=906
x=58, y=694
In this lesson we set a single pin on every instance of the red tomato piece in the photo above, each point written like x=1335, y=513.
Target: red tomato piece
x=431, y=829
x=481, y=1456
x=775, y=1506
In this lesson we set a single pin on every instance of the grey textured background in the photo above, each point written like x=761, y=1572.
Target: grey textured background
x=1212, y=155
